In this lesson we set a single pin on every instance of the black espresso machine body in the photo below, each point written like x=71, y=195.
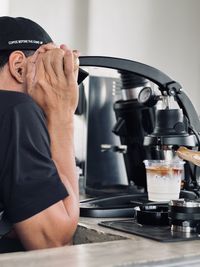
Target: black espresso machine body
x=138, y=125
x=133, y=122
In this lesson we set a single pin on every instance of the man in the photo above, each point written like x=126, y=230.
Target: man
x=38, y=97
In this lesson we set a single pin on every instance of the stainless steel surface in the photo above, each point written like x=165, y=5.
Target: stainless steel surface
x=185, y=203
x=185, y=229
x=165, y=152
x=184, y=215
x=131, y=93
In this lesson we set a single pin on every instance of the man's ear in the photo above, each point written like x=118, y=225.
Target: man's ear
x=17, y=66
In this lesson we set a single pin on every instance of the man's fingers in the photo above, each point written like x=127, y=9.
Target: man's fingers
x=69, y=65
x=76, y=63
x=42, y=49
x=57, y=62
x=39, y=68
x=30, y=75
x=50, y=65
x=76, y=55
x=66, y=48
x=46, y=47
x=33, y=58
x=35, y=73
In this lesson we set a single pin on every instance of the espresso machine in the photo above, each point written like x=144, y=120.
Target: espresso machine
x=150, y=119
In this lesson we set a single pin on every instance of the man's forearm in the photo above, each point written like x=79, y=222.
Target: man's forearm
x=62, y=149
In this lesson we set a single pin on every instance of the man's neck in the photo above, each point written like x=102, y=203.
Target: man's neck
x=7, y=82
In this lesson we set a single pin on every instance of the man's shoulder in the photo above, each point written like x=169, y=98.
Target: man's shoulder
x=12, y=101
x=21, y=118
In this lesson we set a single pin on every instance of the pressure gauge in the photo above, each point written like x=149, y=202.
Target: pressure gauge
x=147, y=97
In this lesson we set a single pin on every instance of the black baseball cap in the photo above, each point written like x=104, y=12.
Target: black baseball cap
x=24, y=34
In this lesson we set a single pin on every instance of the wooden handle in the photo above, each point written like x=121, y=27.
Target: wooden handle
x=189, y=155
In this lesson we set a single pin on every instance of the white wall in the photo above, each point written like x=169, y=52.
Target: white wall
x=4, y=9
x=64, y=20
x=164, y=34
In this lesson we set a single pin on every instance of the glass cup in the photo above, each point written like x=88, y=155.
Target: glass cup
x=164, y=179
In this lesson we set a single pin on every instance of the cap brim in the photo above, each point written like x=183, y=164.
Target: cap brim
x=82, y=74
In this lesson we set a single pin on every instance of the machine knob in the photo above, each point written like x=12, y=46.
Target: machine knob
x=112, y=148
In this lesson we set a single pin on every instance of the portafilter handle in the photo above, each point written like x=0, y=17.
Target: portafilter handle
x=189, y=155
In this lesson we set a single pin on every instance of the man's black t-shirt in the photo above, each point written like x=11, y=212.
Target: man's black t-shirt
x=29, y=181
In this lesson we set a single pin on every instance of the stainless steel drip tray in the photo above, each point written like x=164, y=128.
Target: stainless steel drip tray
x=158, y=233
